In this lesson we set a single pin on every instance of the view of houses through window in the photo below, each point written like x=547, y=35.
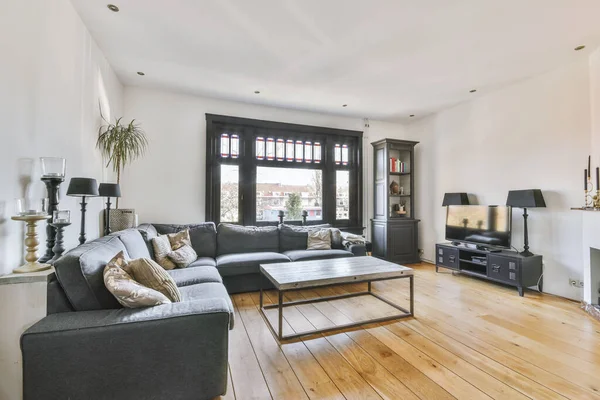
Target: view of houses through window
x=289, y=190
x=230, y=202
x=342, y=195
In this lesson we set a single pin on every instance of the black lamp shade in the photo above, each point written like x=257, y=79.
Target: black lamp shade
x=529, y=198
x=455, y=199
x=80, y=187
x=109, y=190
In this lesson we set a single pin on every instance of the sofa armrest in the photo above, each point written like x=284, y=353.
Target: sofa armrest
x=357, y=249
x=176, y=350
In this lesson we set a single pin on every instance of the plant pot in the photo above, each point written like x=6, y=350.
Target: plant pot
x=122, y=218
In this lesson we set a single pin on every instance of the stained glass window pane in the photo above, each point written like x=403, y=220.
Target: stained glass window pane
x=338, y=154
x=224, y=145
x=280, y=149
x=317, y=152
x=235, y=146
x=260, y=148
x=270, y=149
x=308, y=152
x=289, y=150
x=299, y=146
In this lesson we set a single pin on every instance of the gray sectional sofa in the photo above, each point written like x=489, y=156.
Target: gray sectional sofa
x=237, y=251
x=89, y=347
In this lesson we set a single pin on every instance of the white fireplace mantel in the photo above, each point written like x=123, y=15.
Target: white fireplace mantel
x=591, y=260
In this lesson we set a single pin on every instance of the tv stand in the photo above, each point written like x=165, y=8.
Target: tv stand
x=508, y=267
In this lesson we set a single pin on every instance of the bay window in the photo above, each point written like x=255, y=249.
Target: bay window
x=257, y=169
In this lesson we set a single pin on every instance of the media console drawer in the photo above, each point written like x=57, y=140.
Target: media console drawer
x=504, y=269
x=447, y=257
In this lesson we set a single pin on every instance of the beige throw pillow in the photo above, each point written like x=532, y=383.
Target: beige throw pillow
x=179, y=239
x=162, y=248
x=127, y=291
x=150, y=274
x=319, y=240
x=183, y=256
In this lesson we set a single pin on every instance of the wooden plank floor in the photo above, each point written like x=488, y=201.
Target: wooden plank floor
x=469, y=339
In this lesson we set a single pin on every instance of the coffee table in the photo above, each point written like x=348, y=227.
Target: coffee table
x=301, y=275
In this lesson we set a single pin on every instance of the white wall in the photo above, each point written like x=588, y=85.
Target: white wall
x=52, y=76
x=532, y=134
x=168, y=184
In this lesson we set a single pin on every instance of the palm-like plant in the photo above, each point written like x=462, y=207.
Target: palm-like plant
x=121, y=144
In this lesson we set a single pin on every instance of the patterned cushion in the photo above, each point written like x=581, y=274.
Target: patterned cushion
x=183, y=256
x=162, y=248
x=126, y=290
x=319, y=240
x=180, y=239
x=148, y=273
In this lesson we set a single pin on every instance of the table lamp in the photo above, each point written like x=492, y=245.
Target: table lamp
x=525, y=199
x=455, y=199
x=82, y=187
x=108, y=190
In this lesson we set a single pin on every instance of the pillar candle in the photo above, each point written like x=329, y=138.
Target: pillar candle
x=589, y=170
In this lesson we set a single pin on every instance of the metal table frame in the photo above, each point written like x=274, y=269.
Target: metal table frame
x=280, y=306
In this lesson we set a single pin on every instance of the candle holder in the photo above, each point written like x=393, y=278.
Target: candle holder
x=31, y=244
x=53, y=174
x=589, y=198
x=58, y=248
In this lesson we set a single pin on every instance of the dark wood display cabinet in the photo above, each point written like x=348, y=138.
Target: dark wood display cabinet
x=507, y=267
x=394, y=229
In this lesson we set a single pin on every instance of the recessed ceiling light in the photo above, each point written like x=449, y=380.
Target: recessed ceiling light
x=580, y=47
x=140, y=73
x=257, y=92
x=344, y=105
x=411, y=115
x=472, y=90
x=113, y=8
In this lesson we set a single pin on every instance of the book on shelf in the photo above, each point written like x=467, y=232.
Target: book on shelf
x=396, y=165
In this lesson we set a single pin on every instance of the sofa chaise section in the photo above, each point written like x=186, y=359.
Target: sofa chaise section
x=90, y=347
x=174, y=351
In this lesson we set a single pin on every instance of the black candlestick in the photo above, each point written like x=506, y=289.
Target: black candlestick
x=58, y=248
x=304, y=215
x=82, y=233
x=107, y=217
x=52, y=187
x=281, y=215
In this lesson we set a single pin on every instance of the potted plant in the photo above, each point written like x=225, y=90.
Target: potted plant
x=121, y=144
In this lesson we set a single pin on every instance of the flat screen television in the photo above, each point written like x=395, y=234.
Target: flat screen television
x=488, y=226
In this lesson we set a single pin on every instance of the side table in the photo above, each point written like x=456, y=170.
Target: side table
x=22, y=304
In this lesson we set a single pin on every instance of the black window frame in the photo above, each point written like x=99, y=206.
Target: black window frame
x=248, y=129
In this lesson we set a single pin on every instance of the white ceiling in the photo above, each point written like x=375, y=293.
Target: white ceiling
x=384, y=59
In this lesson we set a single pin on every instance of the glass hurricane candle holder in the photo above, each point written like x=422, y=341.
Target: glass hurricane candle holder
x=31, y=206
x=61, y=217
x=53, y=167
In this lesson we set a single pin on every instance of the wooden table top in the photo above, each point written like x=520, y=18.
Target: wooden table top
x=305, y=274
